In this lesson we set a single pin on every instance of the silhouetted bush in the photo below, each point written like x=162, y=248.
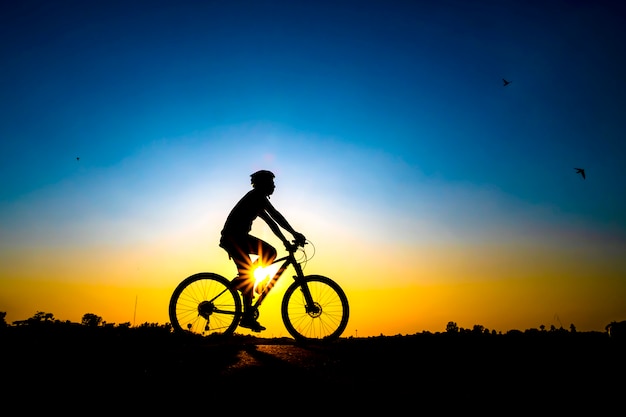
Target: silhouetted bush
x=616, y=330
x=91, y=320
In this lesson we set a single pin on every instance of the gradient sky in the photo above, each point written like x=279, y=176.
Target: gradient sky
x=431, y=192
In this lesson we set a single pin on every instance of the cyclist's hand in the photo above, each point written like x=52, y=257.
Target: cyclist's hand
x=299, y=240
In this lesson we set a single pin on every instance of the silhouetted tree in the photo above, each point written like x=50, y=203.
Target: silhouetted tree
x=41, y=316
x=451, y=327
x=572, y=328
x=91, y=320
x=616, y=330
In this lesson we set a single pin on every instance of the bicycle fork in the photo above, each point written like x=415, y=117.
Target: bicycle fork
x=311, y=307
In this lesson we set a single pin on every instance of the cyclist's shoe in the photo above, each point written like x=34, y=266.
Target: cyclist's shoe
x=252, y=324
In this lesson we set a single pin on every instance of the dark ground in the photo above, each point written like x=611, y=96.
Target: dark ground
x=89, y=371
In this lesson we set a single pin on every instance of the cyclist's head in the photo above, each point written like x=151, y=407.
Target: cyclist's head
x=263, y=180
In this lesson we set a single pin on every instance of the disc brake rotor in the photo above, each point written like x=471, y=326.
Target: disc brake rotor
x=315, y=311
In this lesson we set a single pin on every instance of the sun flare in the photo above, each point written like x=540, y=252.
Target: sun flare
x=260, y=273
x=262, y=276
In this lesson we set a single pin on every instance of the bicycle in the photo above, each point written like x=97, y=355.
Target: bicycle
x=314, y=307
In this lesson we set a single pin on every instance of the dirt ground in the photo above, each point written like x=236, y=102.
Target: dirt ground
x=438, y=373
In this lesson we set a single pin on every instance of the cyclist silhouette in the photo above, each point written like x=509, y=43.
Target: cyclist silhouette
x=237, y=241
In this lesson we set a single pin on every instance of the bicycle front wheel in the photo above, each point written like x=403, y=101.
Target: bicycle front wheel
x=205, y=304
x=326, y=319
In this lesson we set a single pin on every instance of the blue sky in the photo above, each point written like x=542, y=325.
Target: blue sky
x=421, y=78
x=387, y=120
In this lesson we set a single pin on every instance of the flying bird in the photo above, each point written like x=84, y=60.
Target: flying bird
x=580, y=171
x=78, y=158
x=506, y=82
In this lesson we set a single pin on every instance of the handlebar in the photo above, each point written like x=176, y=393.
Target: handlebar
x=295, y=244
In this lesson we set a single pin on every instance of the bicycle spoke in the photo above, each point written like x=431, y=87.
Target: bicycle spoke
x=204, y=304
x=325, y=319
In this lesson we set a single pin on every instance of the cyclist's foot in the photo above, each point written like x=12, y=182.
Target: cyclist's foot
x=252, y=324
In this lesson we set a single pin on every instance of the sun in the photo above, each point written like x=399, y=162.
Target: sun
x=261, y=275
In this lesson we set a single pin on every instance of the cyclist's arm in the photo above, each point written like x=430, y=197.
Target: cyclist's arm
x=274, y=227
x=279, y=218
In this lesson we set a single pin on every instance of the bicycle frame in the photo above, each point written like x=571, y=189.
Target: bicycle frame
x=314, y=307
x=286, y=260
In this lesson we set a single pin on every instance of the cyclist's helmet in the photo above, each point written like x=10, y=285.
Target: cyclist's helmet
x=261, y=177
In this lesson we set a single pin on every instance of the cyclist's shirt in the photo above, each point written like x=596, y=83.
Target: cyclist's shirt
x=239, y=221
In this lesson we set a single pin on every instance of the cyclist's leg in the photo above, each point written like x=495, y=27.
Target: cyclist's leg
x=266, y=252
x=245, y=282
x=239, y=249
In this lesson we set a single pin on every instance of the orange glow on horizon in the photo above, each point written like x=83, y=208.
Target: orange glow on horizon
x=393, y=286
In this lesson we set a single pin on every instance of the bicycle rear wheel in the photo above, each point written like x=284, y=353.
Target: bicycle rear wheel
x=325, y=320
x=205, y=304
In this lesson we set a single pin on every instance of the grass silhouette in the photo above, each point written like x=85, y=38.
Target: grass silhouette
x=146, y=367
